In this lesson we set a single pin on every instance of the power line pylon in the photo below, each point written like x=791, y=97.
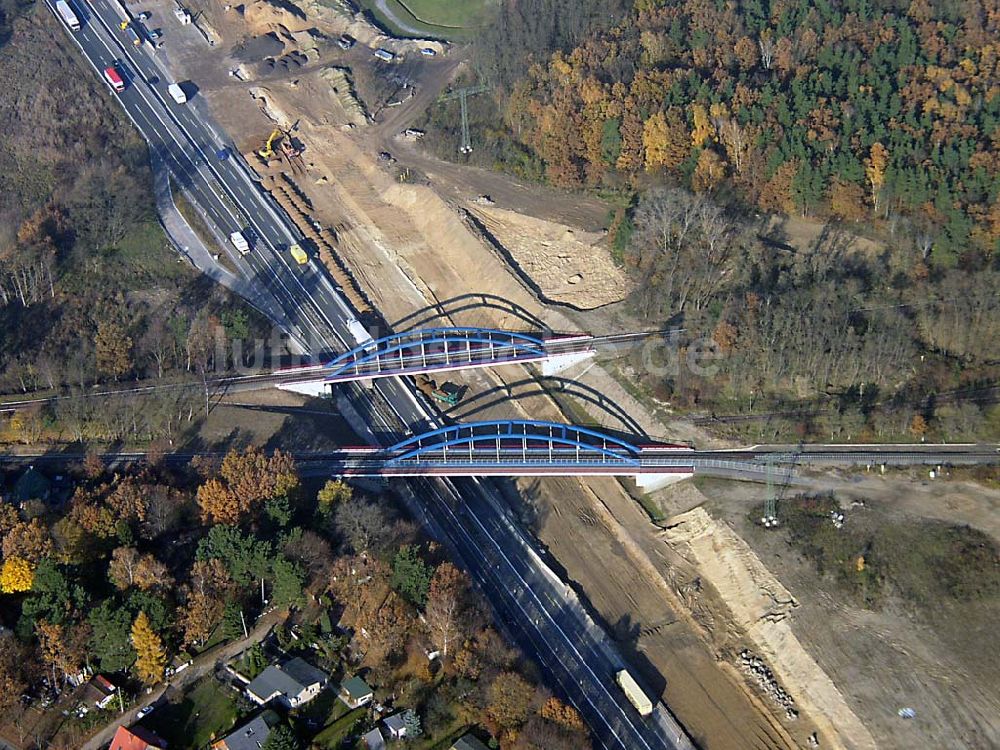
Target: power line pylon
x=462, y=95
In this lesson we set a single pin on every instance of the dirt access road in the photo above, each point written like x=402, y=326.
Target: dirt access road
x=461, y=183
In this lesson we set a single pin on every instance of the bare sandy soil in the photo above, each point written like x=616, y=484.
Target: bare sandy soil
x=802, y=233
x=760, y=608
x=675, y=611
x=567, y=265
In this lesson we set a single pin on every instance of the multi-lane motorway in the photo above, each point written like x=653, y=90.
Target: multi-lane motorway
x=468, y=514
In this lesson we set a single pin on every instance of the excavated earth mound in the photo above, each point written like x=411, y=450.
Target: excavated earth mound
x=263, y=16
x=256, y=48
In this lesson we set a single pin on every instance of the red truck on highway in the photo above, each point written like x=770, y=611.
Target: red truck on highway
x=114, y=78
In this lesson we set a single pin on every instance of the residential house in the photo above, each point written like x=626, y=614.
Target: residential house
x=250, y=736
x=98, y=692
x=293, y=684
x=32, y=485
x=136, y=738
x=468, y=742
x=395, y=726
x=374, y=740
x=355, y=692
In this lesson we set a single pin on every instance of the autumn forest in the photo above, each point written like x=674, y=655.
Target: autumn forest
x=704, y=120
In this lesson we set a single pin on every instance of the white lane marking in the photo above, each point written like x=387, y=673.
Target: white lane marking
x=541, y=606
x=169, y=128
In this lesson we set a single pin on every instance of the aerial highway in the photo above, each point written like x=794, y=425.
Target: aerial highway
x=538, y=610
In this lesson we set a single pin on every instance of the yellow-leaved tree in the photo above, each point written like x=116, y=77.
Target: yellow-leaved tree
x=151, y=659
x=665, y=140
x=875, y=167
x=703, y=128
x=16, y=575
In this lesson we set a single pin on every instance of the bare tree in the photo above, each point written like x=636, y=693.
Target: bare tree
x=767, y=45
x=362, y=523
x=157, y=341
x=682, y=247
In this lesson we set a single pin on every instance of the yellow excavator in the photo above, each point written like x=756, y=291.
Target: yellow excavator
x=268, y=151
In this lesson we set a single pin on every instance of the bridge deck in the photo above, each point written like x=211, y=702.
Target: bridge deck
x=446, y=349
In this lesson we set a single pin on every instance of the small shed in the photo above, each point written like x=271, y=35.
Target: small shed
x=468, y=742
x=374, y=740
x=395, y=726
x=355, y=692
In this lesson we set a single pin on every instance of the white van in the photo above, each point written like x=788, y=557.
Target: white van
x=240, y=242
x=177, y=93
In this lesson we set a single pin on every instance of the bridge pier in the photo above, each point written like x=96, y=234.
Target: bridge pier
x=653, y=482
x=314, y=388
x=558, y=362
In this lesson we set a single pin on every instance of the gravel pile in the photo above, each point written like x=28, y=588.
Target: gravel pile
x=754, y=666
x=257, y=48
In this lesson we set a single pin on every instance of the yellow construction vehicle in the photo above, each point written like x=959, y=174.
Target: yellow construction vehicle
x=123, y=25
x=300, y=255
x=268, y=151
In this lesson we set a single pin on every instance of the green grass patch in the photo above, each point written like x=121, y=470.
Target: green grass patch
x=143, y=259
x=432, y=19
x=447, y=13
x=206, y=711
x=323, y=711
x=924, y=563
x=333, y=736
x=651, y=507
x=218, y=636
x=195, y=221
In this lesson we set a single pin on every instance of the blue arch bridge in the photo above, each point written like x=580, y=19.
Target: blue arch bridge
x=429, y=350
x=520, y=448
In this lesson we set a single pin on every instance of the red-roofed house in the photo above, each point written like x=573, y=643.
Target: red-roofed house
x=136, y=738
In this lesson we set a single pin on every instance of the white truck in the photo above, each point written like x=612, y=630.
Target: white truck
x=358, y=331
x=177, y=93
x=240, y=242
x=634, y=693
x=384, y=54
x=67, y=15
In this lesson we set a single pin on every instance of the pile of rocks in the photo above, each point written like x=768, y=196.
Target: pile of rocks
x=755, y=667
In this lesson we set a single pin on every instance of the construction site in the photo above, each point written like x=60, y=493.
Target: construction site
x=744, y=642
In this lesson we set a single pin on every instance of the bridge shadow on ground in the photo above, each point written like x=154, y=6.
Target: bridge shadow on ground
x=442, y=313
x=625, y=632
x=623, y=425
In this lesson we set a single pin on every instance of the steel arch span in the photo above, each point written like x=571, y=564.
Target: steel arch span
x=514, y=443
x=439, y=349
